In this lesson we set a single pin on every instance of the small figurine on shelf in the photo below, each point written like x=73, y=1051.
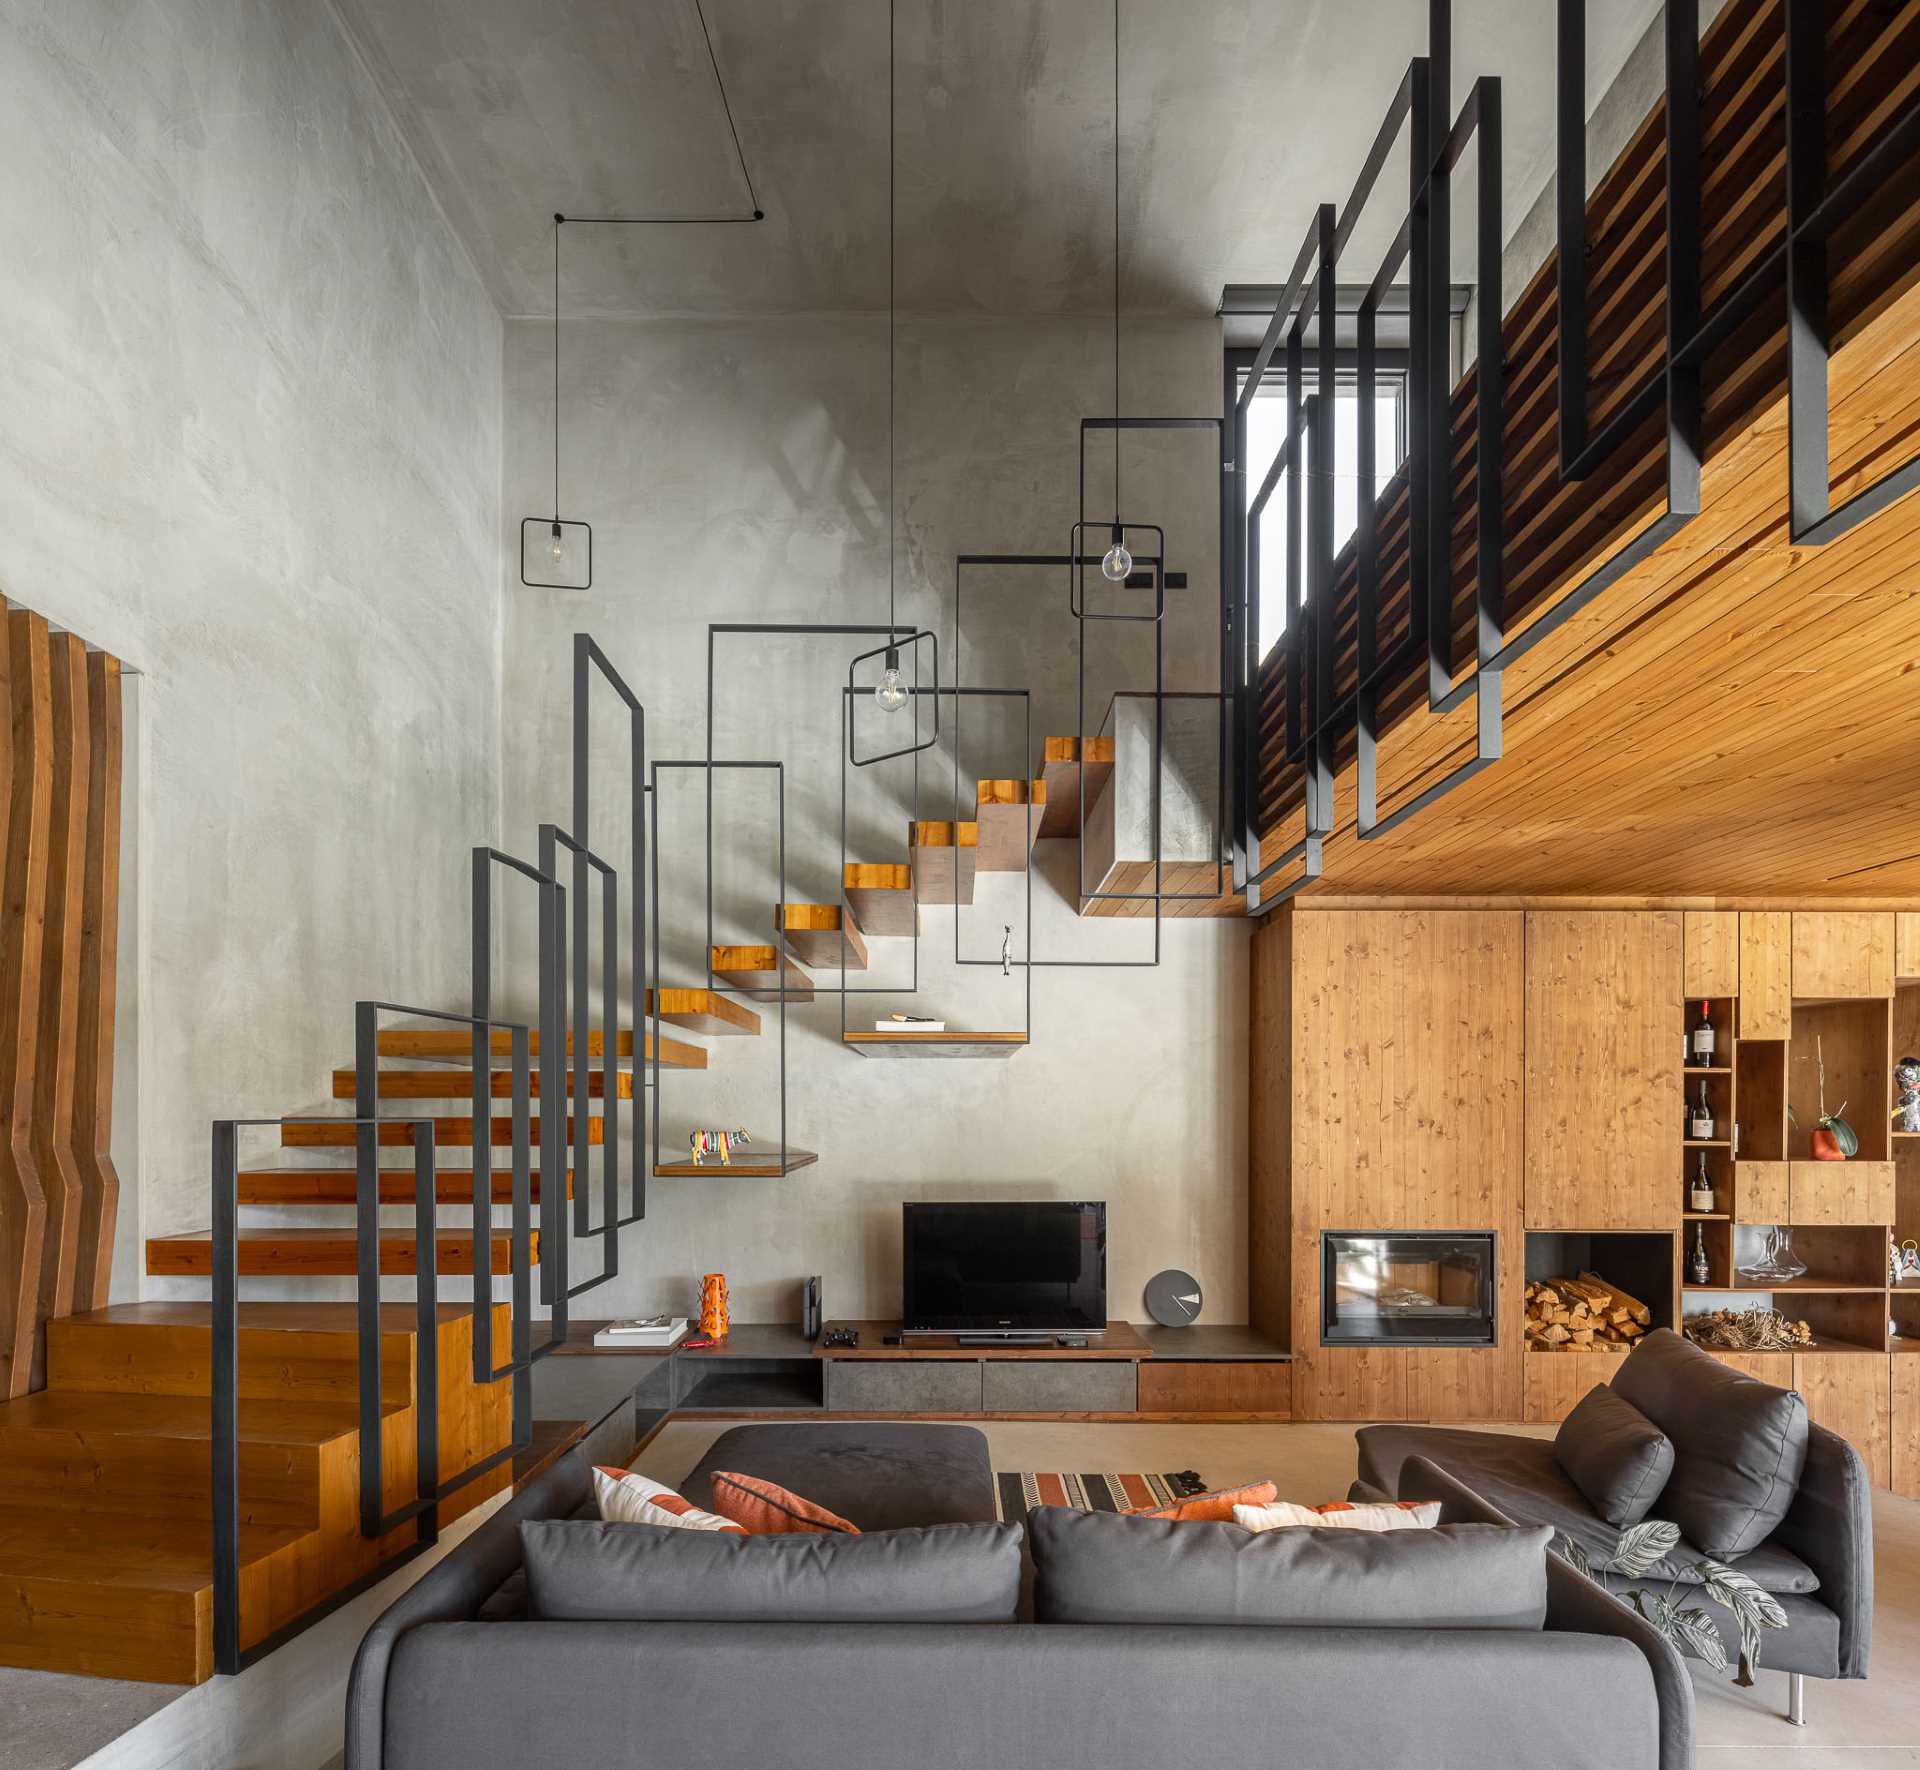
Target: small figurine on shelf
x=1701, y=1271
x=1906, y=1077
x=714, y=1321
x=715, y=1143
x=1906, y=1263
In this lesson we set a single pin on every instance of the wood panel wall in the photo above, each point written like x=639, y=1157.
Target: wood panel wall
x=60, y=763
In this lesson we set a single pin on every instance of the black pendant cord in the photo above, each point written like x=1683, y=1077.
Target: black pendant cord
x=893, y=322
x=1116, y=269
x=558, y=222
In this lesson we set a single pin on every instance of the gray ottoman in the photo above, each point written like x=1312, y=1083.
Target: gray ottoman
x=879, y=1475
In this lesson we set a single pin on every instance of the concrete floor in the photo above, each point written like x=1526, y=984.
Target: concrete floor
x=54, y=1720
x=1873, y=1725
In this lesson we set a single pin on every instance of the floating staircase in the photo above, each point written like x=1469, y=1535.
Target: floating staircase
x=761, y=973
x=327, y=1252
x=818, y=934
x=944, y=857
x=881, y=898
x=1007, y=815
x=106, y=1548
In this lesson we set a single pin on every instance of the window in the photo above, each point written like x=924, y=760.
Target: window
x=1267, y=431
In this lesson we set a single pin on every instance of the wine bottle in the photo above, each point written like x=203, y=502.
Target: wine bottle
x=1703, y=1040
x=1701, y=1197
x=1700, y=1124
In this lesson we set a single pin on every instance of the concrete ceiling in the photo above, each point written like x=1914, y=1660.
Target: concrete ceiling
x=1237, y=118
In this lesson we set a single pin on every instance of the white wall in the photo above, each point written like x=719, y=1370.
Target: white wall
x=250, y=442
x=736, y=470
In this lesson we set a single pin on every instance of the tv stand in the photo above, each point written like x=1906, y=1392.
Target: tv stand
x=984, y=1373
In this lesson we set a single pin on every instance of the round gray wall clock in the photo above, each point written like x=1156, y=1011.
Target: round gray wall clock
x=1173, y=1298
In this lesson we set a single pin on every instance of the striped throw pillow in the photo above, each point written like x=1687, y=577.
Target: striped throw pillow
x=1341, y=1515
x=629, y=1498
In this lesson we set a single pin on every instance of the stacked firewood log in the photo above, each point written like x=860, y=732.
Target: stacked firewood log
x=1583, y=1314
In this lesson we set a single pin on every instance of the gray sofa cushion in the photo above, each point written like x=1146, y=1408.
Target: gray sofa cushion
x=1738, y=1444
x=879, y=1475
x=1617, y=1457
x=1520, y=1478
x=1104, y=1567
x=593, y=1572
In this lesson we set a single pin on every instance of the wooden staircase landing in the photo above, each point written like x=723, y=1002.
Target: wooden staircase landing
x=106, y=1559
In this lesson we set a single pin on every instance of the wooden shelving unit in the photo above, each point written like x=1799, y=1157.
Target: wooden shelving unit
x=1720, y=1081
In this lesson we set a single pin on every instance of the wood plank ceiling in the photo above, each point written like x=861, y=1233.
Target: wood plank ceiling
x=1737, y=717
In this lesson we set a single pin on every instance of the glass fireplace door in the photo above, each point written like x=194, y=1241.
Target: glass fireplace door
x=1395, y=1288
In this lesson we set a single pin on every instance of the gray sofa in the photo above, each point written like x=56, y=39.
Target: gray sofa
x=455, y=1677
x=1817, y=1562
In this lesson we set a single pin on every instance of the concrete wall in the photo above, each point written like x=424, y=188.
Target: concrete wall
x=737, y=470
x=250, y=431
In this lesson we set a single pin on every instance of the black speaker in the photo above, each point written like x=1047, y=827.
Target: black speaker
x=810, y=1309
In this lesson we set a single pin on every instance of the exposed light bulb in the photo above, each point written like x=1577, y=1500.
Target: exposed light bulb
x=891, y=692
x=1118, y=562
x=557, y=547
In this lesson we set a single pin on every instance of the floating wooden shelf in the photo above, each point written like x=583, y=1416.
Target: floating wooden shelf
x=758, y=970
x=821, y=935
x=1705, y=1217
x=1064, y=758
x=761, y=1164
x=339, y=1186
x=457, y=1047
x=313, y=1253
x=881, y=898
x=935, y=1044
x=1009, y=813
x=1707, y=1143
x=457, y=1084
x=945, y=858
x=1804, y=1286
x=703, y=1011
x=449, y=1132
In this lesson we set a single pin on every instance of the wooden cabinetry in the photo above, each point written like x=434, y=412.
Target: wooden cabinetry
x=1557, y=1381
x=1761, y=1192
x=1841, y=1192
x=1905, y=1424
x=1169, y=1386
x=1906, y=944
x=1766, y=974
x=1850, y=1393
x=1710, y=953
x=1842, y=953
x=1603, y=1068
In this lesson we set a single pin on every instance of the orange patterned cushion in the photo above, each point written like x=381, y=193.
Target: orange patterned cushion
x=1342, y=1515
x=1211, y=1508
x=767, y=1509
x=628, y=1498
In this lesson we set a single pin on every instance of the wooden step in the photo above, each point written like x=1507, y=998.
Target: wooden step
x=703, y=1011
x=457, y=1084
x=337, y=1186
x=818, y=934
x=758, y=970
x=450, y=1131
x=1009, y=814
x=314, y=1253
x=881, y=898
x=944, y=859
x=1064, y=759
x=454, y=1046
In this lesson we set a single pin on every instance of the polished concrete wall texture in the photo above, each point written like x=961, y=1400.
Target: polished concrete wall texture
x=251, y=433
x=738, y=470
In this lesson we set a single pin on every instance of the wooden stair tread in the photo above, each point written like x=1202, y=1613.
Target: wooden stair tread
x=339, y=1186
x=453, y=1045
x=945, y=858
x=1064, y=759
x=1009, y=814
x=457, y=1084
x=759, y=970
x=450, y=1131
x=324, y=1252
x=131, y=1414
x=124, y=1549
x=880, y=894
x=298, y=1317
x=703, y=1011
x=821, y=935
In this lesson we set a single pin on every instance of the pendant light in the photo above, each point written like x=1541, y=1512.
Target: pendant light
x=891, y=692
x=1117, y=562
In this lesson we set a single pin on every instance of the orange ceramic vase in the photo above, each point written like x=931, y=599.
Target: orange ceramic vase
x=713, y=1306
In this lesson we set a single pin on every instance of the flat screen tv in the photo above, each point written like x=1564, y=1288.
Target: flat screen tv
x=1005, y=1270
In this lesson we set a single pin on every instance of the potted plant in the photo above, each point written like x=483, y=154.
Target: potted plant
x=1833, y=1139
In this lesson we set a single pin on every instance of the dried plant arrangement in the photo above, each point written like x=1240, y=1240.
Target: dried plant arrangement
x=1748, y=1330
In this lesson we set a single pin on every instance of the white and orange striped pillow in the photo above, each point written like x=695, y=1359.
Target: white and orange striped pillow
x=1341, y=1515
x=629, y=1498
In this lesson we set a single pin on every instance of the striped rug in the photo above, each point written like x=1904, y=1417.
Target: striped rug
x=1017, y=1492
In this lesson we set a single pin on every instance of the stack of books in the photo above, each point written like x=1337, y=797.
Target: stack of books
x=649, y=1330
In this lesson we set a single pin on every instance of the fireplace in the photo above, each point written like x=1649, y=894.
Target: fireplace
x=1383, y=1287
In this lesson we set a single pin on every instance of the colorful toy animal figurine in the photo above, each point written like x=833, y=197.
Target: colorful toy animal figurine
x=1906, y=1077
x=715, y=1143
